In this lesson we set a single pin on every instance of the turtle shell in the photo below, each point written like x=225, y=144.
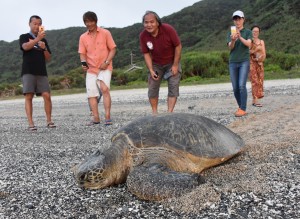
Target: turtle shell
x=193, y=134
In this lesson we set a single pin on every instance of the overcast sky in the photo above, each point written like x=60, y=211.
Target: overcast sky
x=59, y=14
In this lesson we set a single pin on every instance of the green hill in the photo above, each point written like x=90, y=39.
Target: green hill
x=202, y=27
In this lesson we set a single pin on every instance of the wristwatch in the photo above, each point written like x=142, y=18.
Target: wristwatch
x=106, y=62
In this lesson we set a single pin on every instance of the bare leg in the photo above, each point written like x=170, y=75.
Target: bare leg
x=47, y=106
x=171, y=103
x=106, y=99
x=154, y=103
x=94, y=106
x=29, y=108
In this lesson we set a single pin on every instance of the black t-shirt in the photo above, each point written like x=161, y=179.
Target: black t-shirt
x=33, y=60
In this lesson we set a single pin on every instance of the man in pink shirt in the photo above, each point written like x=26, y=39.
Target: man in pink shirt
x=97, y=49
x=161, y=47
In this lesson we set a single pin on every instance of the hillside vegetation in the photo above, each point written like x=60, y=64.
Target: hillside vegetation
x=202, y=28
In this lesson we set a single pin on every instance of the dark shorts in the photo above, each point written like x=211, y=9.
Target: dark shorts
x=35, y=84
x=173, y=82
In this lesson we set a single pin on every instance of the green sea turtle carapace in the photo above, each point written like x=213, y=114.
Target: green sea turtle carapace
x=160, y=156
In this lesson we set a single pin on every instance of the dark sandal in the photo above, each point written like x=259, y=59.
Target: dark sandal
x=51, y=125
x=91, y=123
x=256, y=104
x=108, y=122
x=32, y=128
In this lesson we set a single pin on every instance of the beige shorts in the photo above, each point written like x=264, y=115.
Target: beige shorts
x=105, y=76
x=93, y=81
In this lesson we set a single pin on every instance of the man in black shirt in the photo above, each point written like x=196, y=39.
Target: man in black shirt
x=34, y=74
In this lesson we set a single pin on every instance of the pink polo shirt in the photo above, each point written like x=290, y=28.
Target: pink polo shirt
x=96, y=48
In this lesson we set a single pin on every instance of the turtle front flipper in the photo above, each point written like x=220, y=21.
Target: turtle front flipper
x=157, y=182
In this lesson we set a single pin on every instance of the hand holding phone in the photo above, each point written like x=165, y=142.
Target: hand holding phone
x=41, y=29
x=233, y=30
x=83, y=63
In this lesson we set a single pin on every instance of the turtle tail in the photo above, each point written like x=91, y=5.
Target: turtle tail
x=157, y=182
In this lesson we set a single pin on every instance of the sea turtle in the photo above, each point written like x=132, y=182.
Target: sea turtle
x=160, y=156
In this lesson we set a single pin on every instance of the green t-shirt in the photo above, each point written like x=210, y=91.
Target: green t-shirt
x=240, y=52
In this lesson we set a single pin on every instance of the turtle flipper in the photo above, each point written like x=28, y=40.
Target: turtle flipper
x=157, y=182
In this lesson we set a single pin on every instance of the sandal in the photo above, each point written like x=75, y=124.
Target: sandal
x=256, y=104
x=91, y=123
x=32, y=128
x=51, y=125
x=108, y=122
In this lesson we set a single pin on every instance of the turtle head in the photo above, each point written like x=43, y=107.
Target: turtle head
x=99, y=170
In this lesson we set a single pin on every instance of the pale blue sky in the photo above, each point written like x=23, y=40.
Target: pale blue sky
x=59, y=14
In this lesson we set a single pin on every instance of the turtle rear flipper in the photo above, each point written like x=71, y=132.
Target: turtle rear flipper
x=157, y=182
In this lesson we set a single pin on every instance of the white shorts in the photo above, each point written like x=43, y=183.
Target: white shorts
x=93, y=81
x=105, y=76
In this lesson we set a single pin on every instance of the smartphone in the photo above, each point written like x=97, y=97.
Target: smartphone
x=41, y=29
x=84, y=64
x=233, y=30
x=156, y=74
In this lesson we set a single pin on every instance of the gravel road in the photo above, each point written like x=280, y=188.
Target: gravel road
x=36, y=180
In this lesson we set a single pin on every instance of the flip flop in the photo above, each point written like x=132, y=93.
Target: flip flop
x=108, y=122
x=91, y=123
x=51, y=125
x=256, y=104
x=32, y=128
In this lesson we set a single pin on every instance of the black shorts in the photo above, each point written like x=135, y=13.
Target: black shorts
x=36, y=84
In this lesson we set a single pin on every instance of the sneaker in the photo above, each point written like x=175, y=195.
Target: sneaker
x=240, y=113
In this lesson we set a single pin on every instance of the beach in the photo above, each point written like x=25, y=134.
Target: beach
x=262, y=182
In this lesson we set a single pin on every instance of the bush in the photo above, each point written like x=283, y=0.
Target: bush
x=272, y=68
x=75, y=78
x=54, y=82
x=285, y=61
x=205, y=65
x=121, y=77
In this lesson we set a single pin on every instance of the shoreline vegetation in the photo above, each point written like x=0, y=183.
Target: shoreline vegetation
x=198, y=68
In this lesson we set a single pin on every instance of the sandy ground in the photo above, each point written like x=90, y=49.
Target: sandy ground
x=269, y=162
